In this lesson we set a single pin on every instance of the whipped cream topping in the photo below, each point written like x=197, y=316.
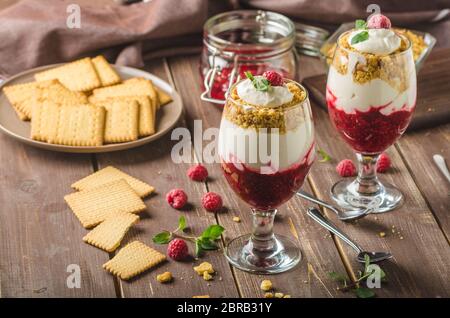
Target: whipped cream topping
x=380, y=41
x=274, y=97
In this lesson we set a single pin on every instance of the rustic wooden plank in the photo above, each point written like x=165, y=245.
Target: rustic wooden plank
x=153, y=163
x=39, y=235
x=316, y=244
x=417, y=150
x=421, y=254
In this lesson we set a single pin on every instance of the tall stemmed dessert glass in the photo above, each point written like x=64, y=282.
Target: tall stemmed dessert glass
x=371, y=96
x=266, y=147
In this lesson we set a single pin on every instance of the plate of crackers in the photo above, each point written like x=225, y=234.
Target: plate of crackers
x=87, y=106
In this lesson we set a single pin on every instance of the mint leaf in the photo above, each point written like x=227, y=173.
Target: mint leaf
x=207, y=244
x=260, y=83
x=366, y=262
x=363, y=292
x=360, y=37
x=181, y=223
x=337, y=277
x=162, y=238
x=325, y=157
x=198, y=248
x=360, y=24
x=212, y=232
x=249, y=75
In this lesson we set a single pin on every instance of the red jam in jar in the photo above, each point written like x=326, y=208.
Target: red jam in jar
x=245, y=40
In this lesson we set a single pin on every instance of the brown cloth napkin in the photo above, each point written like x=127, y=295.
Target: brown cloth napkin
x=433, y=93
x=35, y=32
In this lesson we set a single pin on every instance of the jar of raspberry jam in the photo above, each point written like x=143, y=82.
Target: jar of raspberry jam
x=245, y=40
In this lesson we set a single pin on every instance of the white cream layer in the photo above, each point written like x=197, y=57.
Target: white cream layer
x=274, y=97
x=244, y=145
x=380, y=41
x=351, y=96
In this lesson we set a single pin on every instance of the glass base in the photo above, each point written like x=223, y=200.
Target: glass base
x=386, y=199
x=283, y=256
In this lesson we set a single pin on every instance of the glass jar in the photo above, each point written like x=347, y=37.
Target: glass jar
x=245, y=40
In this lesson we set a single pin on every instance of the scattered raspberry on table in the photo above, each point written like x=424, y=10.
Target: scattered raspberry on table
x=197, y=173
x=176, y=198
x=212, y=202
x=177, y=250
x=346, y=168
x=383, y=163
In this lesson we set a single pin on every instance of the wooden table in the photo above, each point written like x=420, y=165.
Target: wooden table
x=40, y=236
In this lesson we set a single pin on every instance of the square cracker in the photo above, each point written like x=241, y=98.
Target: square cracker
x=147, y=112
x=77, y=76
x=80, y=125
x=163, y=97
x=131, y=87
x=107, y=74
x=133, y=259
x=108, y=234
x=95, y=205
x=110, y=174
x=44, y=124
x=24, y=96
x=122, y=120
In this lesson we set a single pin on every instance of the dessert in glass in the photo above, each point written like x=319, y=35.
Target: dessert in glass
x=266, y=148
x=371, y=96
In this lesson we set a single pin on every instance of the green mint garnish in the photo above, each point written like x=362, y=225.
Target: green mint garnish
x=205, y=242
x=260, y=83
x=360, y=24
x=360, y=37
x=325, y=156
x=356, y=286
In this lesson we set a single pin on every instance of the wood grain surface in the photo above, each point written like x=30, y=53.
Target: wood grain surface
x=40, y=236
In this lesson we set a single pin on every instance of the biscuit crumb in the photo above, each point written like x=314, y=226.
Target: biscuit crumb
x=268, y=295
x=236, y=219
x=165, y=277
x=266, y=285
x=204, y=267
x=279, y=295
x=207, y=276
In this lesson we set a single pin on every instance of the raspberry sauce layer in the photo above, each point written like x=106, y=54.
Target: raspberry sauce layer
x=371, y=131
x=266, y=191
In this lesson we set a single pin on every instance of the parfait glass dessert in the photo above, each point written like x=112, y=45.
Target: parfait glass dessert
x=266, y=148
x=371, y=96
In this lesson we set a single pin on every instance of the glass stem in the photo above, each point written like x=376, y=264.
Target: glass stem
x=262, y=239
x=367, y=180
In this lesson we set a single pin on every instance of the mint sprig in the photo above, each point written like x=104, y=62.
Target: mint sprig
x=360, y=291
x=260, y=83
x=205, y=242
x=325, y=156
x=360, y=37
x=360, y=25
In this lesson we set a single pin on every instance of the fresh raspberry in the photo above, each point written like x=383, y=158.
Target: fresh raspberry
x=212, y=202
x=379, y=21
x=346, y=168
x=177, y=250
x=177, y=198
x=274, y=78
x=384, y=163
x=197, y=173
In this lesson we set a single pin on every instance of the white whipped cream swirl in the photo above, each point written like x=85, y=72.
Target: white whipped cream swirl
x=380, y=41
x=274, y=97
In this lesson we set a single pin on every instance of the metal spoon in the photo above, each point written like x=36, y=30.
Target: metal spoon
x=326, y=223
x=348, y=215
x=440, y=162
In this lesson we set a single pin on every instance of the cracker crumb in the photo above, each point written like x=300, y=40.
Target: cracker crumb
x=279, y=295
x=165, y=277
x=204, y=267
x=287, y=296
x=236, y=219
x=268, y=295
x=382, y=234
x=201, y=296
x=207, y=276
x=266, y=285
